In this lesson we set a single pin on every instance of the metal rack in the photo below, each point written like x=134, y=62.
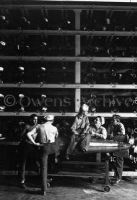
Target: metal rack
x=77, y=58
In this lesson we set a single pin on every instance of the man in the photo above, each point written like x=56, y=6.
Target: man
x=79, y=131
x=97, y=130
x=116, y=131
x=26, y=148
x=46, y=136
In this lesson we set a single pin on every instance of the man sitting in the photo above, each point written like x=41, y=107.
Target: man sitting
x=97, y=130
x=79, y=131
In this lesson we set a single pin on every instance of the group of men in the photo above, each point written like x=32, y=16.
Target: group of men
x=42, y=138
x=83, y=132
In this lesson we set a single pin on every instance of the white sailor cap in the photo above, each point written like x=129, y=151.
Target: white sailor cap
x=49, y=117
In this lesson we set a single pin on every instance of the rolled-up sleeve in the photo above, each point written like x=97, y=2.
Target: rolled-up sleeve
x=57, y=133
x=104, y=133
x=122, y=129
x=74, y=126
x=87, y=125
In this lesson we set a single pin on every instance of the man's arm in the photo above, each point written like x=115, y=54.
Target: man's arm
x=122, y=129
x=102, y=135
x=74, y=127
x=57, y=133
x=87, y=125
x=30, y=137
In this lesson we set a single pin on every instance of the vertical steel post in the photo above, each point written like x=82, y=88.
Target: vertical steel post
x=77, y=64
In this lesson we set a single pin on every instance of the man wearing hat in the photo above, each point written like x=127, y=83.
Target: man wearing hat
x=79, y=129
x=46, y=136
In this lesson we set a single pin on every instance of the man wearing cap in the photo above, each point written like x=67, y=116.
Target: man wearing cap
x=116, y=131
x=46, y=136
x=79, y=131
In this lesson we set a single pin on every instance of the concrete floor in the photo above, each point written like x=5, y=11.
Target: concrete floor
x=66, y=189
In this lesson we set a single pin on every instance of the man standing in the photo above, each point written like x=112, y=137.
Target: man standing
x=46, y=136
x=116, y=131
x=27, y=148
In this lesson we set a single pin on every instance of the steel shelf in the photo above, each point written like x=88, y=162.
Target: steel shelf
x=91, y=6
x=71, y=114
x=70, y=86
x=69, y=58
x=70, y=32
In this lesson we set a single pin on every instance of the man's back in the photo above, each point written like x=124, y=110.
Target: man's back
x=47, y=133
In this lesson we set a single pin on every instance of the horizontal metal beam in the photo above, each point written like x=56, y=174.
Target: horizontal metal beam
x=68, y=58
x=34, y=173
x=25, y=114
x=58, y=6
x=71, y=32
x=90, y=174
x=71, y=114
x=110, y=114
x=70, y=86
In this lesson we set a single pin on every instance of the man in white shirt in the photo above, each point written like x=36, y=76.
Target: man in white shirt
x=79, y=129
x=46, y=137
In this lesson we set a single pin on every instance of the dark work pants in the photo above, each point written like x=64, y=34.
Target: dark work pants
x=46, y=150
x=118, y=165
x=26, y=150
x=120, y=155
x=80, y=140
x=44, y=168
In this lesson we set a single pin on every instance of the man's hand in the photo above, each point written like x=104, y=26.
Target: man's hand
x=76, y=133
x=131, y=141
x=37, y=144
x=93, y=134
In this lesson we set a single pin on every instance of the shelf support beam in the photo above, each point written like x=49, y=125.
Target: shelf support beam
x=77, y=64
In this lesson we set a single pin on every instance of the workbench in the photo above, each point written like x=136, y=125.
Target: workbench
x=96, y=148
